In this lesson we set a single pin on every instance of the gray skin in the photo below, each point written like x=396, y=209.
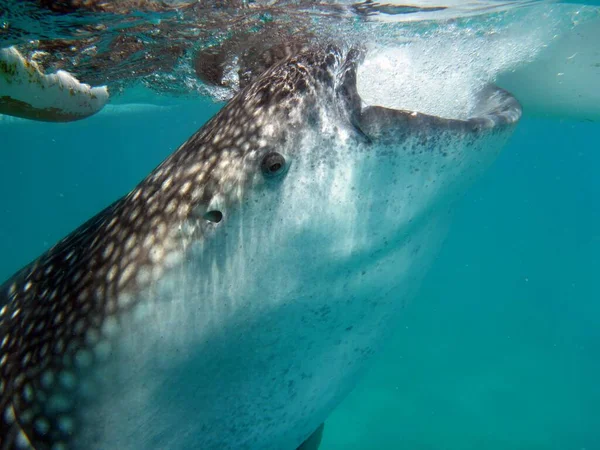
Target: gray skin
x=233, y=298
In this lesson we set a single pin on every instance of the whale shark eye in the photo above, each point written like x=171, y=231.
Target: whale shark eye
x=273, y=165
x=213, y=216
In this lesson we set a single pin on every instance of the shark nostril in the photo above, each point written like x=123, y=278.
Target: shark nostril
x=213, y=216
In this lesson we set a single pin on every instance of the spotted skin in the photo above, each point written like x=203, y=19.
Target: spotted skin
x=60, y=316
x=57, y=313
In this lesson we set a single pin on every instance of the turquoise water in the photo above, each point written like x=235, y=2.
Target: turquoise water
x=63, y=174
x=499, y=350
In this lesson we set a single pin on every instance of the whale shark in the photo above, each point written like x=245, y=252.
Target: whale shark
x=236, y=295
x=546, y=55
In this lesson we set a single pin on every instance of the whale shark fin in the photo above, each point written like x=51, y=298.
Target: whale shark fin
x=314, y=440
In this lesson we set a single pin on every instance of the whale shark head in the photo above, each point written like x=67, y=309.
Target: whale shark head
x=299, y=151
x=231, y=300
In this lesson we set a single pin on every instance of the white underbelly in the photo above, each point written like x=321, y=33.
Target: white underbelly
x=255, y=361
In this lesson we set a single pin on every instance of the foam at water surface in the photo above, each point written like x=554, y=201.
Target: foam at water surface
x=440, y=72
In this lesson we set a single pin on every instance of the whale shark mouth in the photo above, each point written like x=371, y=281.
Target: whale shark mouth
x=493, y=108
x=488, y=107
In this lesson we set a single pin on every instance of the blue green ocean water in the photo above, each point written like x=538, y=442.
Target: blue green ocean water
x=500, y=348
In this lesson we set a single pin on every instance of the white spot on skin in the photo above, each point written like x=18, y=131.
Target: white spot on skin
x=125, y=300
x=77, y=276
x=134, y=214
x=110, y=327
x=72, y=317
x=183, y=210
x=156, y=254
x=67, y=380
x=83, y=359
x=196, y=194
x=65, y=424
x=85, y=307
x=108, y=250
x=103, y=350
x=28, y=393
x=133, y=254
x=47, y=379
x=92, y=336
x=171, y=206
x=167, y=183
x=172, y=258
x=144, y=275
x=41, y=396
x=155, y=221
x=94, y=242
x=111, y=273
x=159, y=173
x=223, y=164
x=152, y=208
x=19, y=380
x=185, y=188
x=126, y=274
x=59, y=346
x=58, y=403
x=87, y=390
x=25, y=360
x=42, y=426
x=149, y=241
x=130, y=243
x=44, y=349
x=58, y=318
x=26, y=416
x=192, y=170
x=79, y=326
x=9, y=415
x=83, y=296
x=111, y=223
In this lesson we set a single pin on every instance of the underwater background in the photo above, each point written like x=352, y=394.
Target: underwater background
x=500, y=348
